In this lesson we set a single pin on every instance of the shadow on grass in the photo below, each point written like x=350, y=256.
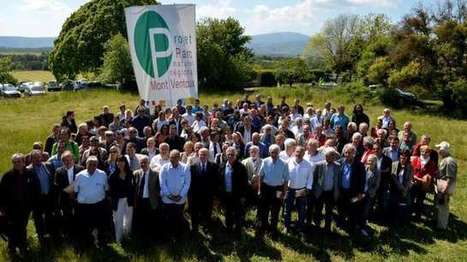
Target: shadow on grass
x=214, y=244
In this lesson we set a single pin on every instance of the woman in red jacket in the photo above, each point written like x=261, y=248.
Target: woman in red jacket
x=424, y=170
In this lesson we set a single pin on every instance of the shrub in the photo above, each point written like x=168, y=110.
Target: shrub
x=390, y=97
x=266, y=78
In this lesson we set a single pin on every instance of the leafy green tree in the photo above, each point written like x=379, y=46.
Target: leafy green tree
x=117, y=65
x=5, y=69
x=293, y=70
x=81, y=43
x=223, y=58
x=338, y=47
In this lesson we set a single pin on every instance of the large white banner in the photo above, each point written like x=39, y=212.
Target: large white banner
x=163, y=51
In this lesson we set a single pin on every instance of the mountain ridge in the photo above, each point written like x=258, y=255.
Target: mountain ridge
x=280, y=44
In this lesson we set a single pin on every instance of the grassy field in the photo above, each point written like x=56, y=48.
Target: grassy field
x=42, y=76
x=29, y=119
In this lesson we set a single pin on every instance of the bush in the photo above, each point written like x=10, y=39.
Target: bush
x=390, y=97
x=459, y=97
x=266, y=78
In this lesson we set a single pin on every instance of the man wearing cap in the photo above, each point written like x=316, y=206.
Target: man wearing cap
x=446, y=184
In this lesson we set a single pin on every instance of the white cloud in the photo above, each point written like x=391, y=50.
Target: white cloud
x=46, y=6
x=265, y=19
x=216, y=9
x=374, y=2
x=305, y=16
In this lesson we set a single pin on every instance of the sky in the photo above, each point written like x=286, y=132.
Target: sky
x=45, y=17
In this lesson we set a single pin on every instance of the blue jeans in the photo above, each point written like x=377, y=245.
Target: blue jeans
x=292, y=202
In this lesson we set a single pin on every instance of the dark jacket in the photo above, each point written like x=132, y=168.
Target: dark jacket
x=239, y=181
x=176, y=142
x=50, y=173
x=154, y=188
x=357, y=177
x=18, y=193
x=385, y=171
x=204, y=183
x=122, y=188
x=360, y=118
x=63, y=199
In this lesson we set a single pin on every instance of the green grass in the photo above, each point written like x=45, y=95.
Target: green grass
x=33, y=75
x=26, y=120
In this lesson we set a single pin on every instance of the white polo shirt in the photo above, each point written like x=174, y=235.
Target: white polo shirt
x=91, y=188
x=300, y=174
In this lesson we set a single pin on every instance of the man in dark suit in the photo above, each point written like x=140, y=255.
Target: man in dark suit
x=106, y=117
x=65, y=202
x=204, y=177
x=18, y=193
x=174, y=140
x=42, y=212
x=246, y=129
x=384, y=166
x=148, y=200
x=351, y=188
x=234, y=187
x=140, y=120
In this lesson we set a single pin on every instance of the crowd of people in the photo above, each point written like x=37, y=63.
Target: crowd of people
x=162, y=171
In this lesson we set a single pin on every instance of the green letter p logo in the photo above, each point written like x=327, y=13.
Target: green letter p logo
x=153, y=44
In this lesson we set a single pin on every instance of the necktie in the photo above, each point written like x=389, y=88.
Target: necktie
x=141, y=185
x=215, y=149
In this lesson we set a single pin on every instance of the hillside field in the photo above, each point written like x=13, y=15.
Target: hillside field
x=26, y=120
x=31, y=76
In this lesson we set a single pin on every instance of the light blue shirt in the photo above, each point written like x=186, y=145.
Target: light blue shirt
x=43, y=176
x=91, y=188
x=346, y=174
x=393, y=154
x=274, y=173
x=339, y=120
x=174, y=181
x=55, y=161
x=228, y=177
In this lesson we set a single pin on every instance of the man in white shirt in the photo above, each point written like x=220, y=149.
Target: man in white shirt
x=64, y=177
x=312, y=154
x=274, y=175
x=299, y=184
x=162, y=158
x=91, y=187
x=189, y=116
x=147, y=206
x=289, y=149
x=175, y=179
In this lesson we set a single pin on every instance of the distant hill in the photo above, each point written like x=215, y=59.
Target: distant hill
x=18, y=42
x=279, y=44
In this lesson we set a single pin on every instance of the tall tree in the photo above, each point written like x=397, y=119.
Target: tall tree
x=81, y=43
x=117, y=61
x=223, y=58
x=5, y=69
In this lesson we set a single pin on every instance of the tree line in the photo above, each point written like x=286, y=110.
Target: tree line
x=424, y=53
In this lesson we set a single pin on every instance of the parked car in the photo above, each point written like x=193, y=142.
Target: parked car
x=22, y=85
x=53, y=86
x=80, y=84
x=9, y=90
x=35, y=89
x=328, y=84
x=408, y=98
x=67, y=85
